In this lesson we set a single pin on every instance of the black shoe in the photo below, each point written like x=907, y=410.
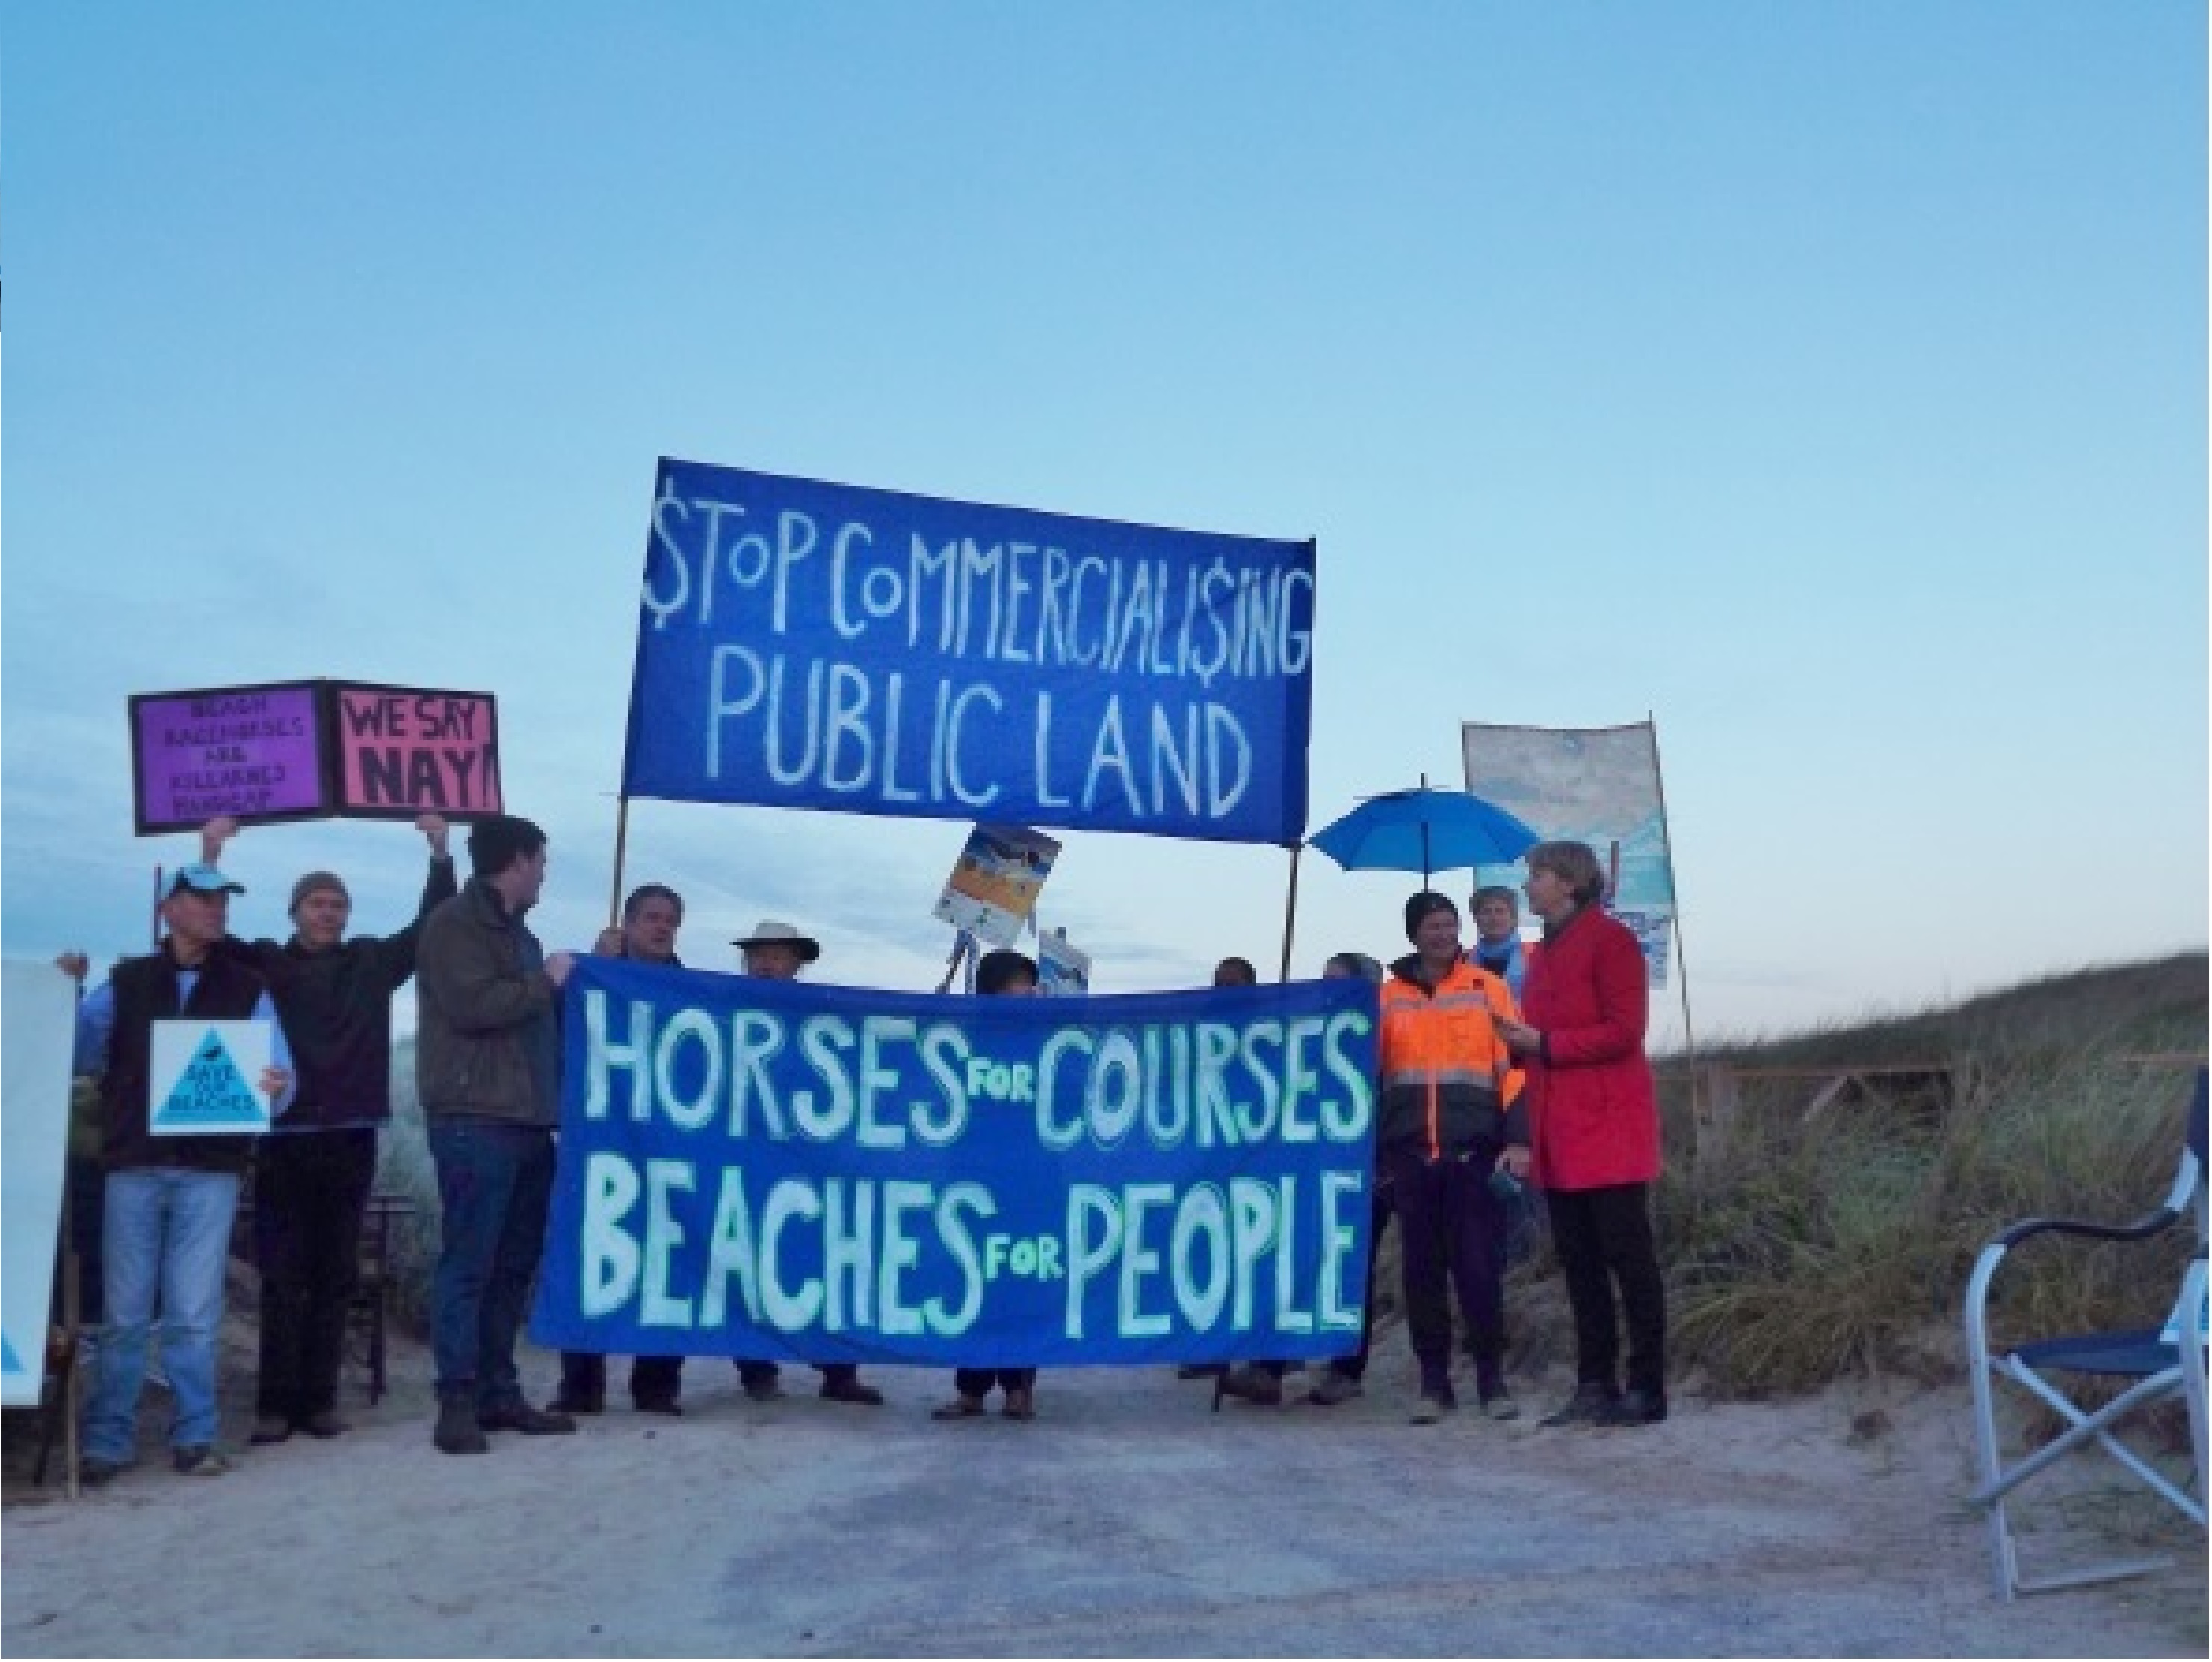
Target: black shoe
x=767, y=1390
x=852, y=1390
x=663, y=1405
x=1200, y=1370
x=98, y=1474
x=1249, y=1385
x=1333, y=1388
x=530, y=1421
x=577, y=1401
x=1635, y=1408
x=457, y=1431
x=1589, y=1401
x=323, y=1422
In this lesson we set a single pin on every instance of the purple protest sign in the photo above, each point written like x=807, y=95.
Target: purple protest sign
x=253, y=752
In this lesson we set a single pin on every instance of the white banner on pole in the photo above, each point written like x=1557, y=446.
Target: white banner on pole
x=38, y=1032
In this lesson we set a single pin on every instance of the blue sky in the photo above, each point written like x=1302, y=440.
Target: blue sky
x=1828, y=380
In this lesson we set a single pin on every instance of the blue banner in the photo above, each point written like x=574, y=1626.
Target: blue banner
x=820, y=646
x=764, y=1169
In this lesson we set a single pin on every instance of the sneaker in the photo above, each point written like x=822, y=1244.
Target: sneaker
x=270, y=1428
x=853, y=1391
x=323, y=1422
x=1431, y=1407
x=1248, y=1384
x=530, y=1421
x=457, y=1431
x=1497, y=1400
x=1583, y=1408
x=1333, y=1388
x=199, y=1460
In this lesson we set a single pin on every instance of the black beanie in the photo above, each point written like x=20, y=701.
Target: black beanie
x=1427, y=901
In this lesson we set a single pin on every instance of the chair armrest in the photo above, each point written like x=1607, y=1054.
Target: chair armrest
x=2141, y=1229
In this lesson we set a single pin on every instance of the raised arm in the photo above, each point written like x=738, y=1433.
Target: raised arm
x=396, y=954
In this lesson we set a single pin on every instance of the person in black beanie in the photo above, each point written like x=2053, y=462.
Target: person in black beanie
x=1448, y=1117
x=313, y=1174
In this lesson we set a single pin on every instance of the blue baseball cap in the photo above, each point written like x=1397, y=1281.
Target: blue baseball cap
x=202, y=878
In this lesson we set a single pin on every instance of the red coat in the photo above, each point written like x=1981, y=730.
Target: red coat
x=1594, y=1115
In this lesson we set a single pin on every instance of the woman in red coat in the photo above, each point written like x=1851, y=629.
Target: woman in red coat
x=1595, y=1122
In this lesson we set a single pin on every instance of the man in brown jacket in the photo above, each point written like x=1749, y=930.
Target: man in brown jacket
x=487, y=1068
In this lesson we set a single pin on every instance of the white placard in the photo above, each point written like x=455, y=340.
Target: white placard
x=38, y=1030
x=1063, y=970
x=205, y=1078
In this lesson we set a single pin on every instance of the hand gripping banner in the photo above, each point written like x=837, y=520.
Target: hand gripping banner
x=820, y=646
x=763, y=1169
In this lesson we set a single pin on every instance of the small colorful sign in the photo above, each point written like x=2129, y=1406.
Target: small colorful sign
x=204, y=1077
x=995, y=882
x=253, y=752
x=401, y=751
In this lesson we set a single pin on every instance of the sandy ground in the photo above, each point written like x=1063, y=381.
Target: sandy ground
x=1125, y=1521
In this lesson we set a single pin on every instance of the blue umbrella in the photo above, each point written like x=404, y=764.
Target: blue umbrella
x=1422, y=830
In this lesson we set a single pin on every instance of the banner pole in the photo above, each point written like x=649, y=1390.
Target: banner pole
x=1290, y=911
x=622, y=843
x=1689, y=1035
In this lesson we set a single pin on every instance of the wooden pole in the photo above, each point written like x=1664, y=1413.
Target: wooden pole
x=1290, y=911
x=1681, y=955
x=622, y=845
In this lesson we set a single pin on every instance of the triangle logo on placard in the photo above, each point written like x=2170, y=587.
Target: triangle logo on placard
x=211, y=1089
x=9, y=1362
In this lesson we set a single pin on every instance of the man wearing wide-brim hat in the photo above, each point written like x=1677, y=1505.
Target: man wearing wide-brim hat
x=776, y=951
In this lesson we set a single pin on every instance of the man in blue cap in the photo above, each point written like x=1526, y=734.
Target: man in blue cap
x=170, y=1200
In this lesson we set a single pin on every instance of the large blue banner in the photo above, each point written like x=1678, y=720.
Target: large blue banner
x=818, y=646
x=765, y=1169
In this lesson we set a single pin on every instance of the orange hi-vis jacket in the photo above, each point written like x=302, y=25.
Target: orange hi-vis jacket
x=1448, y=1078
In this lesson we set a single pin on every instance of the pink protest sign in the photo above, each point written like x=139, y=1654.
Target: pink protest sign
x=253, y=752
x=400, y=751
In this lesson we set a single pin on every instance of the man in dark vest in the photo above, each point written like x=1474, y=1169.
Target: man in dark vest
x=170, y=1200
x=650, y=917
x=312, y=1177
x=487, y=1068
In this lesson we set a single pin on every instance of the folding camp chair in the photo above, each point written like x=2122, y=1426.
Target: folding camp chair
x=2160, y=1368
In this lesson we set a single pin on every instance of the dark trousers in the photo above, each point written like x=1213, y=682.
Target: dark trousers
x=978, y=1381
x=493, y=1183
x=831, y=1373
x=1448, y=1240
x=310, y=1192
x=652, y=1379
x=1603, y=1238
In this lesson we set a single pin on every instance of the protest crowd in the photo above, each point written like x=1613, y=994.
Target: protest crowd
x=1507, y=1074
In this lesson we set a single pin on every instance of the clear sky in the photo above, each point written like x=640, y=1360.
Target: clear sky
x=1828, y=380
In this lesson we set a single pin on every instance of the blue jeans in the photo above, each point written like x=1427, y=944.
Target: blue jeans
x=165, y=1231
x=494, y=1182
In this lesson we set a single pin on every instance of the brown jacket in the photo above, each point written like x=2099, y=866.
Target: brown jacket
x=486, y=1009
